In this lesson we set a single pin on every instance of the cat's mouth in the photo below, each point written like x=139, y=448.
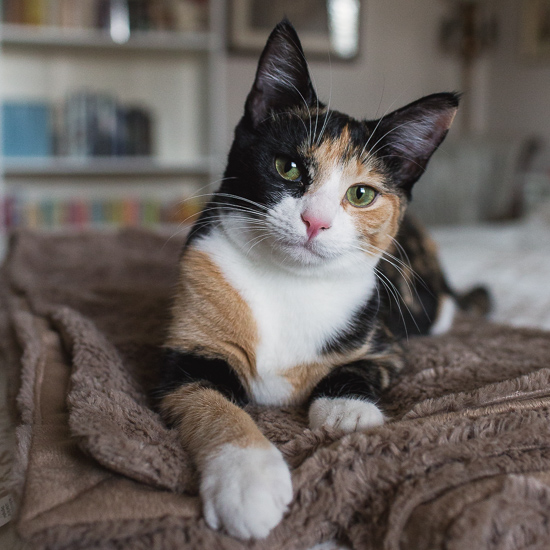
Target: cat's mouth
x=309, y=251
x=313, y=247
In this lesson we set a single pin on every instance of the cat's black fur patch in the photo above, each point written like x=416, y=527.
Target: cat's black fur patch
x=360, y=379
x=358, y=330
x=180, y=368
x=425, y=287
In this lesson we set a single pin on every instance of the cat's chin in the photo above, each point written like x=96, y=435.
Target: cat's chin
x=308, y=257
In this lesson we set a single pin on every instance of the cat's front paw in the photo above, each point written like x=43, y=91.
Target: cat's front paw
x=245, y=490
x=346, y=414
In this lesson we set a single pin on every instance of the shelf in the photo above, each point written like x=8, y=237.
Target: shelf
x=96, y=39
x=102, y=166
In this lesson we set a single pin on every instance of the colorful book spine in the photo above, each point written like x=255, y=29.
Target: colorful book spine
x=79, y=213
x=139, y=15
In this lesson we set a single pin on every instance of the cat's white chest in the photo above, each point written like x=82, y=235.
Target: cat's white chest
x=294, y=319
x=295, y=316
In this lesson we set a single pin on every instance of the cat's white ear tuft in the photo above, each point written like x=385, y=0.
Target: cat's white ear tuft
x=407, y=138
x=282, y=78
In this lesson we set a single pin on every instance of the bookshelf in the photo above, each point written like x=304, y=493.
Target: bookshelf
x=172, y=78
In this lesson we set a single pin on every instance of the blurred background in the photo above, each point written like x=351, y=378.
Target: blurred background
x=120, y=112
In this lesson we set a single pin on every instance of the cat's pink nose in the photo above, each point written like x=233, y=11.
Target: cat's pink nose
x=314, y=225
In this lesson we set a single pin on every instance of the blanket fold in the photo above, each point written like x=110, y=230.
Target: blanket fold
x=464, y=462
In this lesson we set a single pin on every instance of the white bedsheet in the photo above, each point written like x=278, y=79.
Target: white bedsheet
x=512, y=260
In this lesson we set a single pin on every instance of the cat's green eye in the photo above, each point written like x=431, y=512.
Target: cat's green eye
x=361, y=195
x=288, y=169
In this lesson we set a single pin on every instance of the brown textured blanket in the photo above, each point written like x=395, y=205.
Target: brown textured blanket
x=464, y=463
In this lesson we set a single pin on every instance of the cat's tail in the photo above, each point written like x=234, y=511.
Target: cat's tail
x=476, y=301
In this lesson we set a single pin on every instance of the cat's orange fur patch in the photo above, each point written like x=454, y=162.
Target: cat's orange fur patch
x=378, y=223
x=305, y=377
x=329, y=154
x=206, y=420
x=211, y=317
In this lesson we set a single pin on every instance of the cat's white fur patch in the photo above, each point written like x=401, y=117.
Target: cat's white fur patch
x=331, y=545
x=346, y=414
x=245, y=490
x=445, y=316
x=296, y=313
x=271, y=388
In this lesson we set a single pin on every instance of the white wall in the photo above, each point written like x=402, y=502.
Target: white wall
x=399, y=62
x=518, y=96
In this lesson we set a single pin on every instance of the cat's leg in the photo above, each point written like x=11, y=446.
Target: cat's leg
x=245, y=483
x=347, y=397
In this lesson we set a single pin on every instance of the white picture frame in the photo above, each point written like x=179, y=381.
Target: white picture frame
x=327, y=28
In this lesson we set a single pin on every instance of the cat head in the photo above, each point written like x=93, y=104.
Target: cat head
x=309, y=186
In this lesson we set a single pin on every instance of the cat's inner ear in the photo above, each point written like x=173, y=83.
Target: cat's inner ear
x=407, y=138
x=282, y=78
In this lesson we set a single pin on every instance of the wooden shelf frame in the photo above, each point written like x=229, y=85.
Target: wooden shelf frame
x=27, y=36
x=103, y=166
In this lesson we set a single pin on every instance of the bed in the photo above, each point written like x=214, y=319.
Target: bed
x=511, y=259
x=468, y=440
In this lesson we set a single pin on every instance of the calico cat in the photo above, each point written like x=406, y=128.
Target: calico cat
x=284, y=296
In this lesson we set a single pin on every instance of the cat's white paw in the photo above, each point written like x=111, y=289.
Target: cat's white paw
x=245, y=490
x=348, y=415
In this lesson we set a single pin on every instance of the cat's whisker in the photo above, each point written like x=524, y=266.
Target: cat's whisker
x=325, y=124
x=415, y=274
x=235, y=217
x=390, y=289
x=172, y=235
x=328, y=113
x=397, y=298
x=227, y=207
x=381, y=98
x=403, y=275
x=405, y=266
x=195, y=196
x=231, y=196
x=411, y=287
x=258, y=241
x=181, y=227
x=407, y=276
x=199, y=195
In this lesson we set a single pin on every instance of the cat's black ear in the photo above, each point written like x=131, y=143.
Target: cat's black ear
x=282, y=78
x=407, y=138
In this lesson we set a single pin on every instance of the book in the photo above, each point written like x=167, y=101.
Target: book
x=96, y=124
x=34, y=12
x=26, y=129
